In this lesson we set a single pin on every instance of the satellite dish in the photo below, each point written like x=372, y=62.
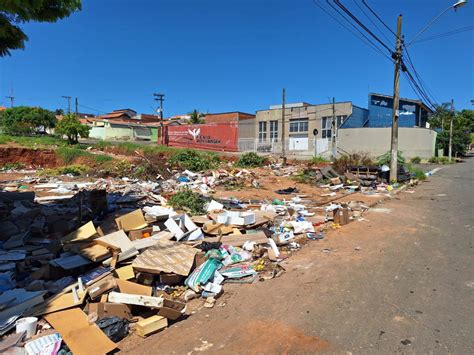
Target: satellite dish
x=315, y=132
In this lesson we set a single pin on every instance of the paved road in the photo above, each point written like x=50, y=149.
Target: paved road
x=400, y=281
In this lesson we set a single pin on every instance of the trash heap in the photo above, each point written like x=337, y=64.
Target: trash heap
x=127, y=269
x=101, y=260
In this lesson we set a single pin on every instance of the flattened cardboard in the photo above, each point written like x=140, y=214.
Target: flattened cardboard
x=106, y=309
x=80, y=336
x=92, y=251
x=133, y=288
x=58, y=302
x=131, y=221
x=166, y=256
x=240, y=239
x=87, y=231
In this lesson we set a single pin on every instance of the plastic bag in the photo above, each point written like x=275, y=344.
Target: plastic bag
x=114, y=327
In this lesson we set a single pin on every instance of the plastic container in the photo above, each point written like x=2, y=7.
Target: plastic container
x=28, y=324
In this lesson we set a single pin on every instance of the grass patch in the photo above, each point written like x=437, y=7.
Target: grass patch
x=318, y=160
x=75, y=170
x=250, y=160
x=419, y=174
x=33, y=142
x=194, y=161
x=189, y=201
x=12, y=166
x=101, y=158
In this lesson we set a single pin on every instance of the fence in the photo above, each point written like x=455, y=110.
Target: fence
x=307, y=147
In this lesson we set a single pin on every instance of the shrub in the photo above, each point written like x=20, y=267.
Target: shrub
x=416, y=160
x=195, y=161
x=306, y=176
x=384, y=159
x=341, y=164
x=250, y=160
x=68, y=155
x=188, y=201
x=439, y=160
x=101, y=158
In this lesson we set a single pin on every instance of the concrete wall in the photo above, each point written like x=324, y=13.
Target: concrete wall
x=376, y=141
x=313, y=113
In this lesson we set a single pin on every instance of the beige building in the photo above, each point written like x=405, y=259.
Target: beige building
x=308, y=128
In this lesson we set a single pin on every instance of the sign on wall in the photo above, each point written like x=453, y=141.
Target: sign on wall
x=209, y=136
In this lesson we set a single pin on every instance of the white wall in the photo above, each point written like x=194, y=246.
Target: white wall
x=376, y=141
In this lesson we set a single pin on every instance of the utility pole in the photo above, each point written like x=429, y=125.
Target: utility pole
x=450, y=149
x=160, y=98
x=77, y=110
x=334, y=130
x=283, y=126
x=68, y=103
x=395, y=112
x=12, y=98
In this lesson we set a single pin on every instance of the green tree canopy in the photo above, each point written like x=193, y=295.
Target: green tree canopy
x=463, y=125
x=15, y=12
x=196, y=117
x=24, y=120
x=71, y=127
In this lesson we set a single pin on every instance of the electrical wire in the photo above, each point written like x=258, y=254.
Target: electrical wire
x=418, y=76
x=445, y=34
x=421, y=93
x=379, y=18
x=364, y=27
x=362, y=37
x=372, y=21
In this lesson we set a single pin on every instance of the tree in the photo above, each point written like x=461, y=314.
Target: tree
x=15, y=12
x=59, y=112
x=196, y=117
x=24, y=120
x=71, y=127
x=463, y=125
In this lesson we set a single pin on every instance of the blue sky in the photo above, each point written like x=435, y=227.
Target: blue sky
x=232, y=55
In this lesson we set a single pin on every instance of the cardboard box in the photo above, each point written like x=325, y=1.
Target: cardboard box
x=131, y=221
x=106, y=309
x=341, y=216
x=184, y=228
x=140, y=233
x=172, y=309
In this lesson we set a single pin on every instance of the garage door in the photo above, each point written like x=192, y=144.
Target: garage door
x=299, y=142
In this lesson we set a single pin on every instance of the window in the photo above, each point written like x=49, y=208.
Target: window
x=326, y=127
x=274, y=131
x=299, y=125
x=262, y=131
x=340, y=120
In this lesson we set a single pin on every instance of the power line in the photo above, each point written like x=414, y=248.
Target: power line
x=361, y=35
x=418, y=76
x=368, y=17
x=364, y=27
x=378, y=18
x=445, y=34
x=91, y=108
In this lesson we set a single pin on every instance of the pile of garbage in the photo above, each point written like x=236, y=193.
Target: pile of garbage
x=101, y=260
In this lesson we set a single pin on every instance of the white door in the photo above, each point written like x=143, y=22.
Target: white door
x=299, y=142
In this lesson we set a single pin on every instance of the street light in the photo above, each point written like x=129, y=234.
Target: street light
x=455, y=6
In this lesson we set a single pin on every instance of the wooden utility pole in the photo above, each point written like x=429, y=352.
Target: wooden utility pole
x=395, y=112
x=283, y=126
x=77, y=108
x=12, y=98
x=160, y=99
x=450, y=149
x=334, y=130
